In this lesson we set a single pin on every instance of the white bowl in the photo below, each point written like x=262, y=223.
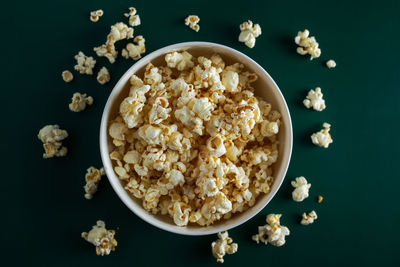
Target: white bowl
x=265, y=88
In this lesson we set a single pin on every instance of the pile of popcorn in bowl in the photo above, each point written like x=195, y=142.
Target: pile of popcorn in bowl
x=192, y=141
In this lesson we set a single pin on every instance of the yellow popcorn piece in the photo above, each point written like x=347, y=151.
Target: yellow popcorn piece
x=51, y=137
x=95, y=15
x=322, y=138
x=307, y=45
x=273, y=232
x=84, y=64
x=79, y=102
x=67, y=76
x=192, y=21
x=308, y=218
x=92, y=178
x=224, y=245
x=101, y=238
x=249, y=33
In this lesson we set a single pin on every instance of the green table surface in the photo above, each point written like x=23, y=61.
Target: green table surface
x=43, y=208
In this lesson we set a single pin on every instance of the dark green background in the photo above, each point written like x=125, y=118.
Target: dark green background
x=43, y=208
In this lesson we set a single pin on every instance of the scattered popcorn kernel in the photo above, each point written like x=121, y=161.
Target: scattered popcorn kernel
x=314, y=99
x=119, y=31
x=95, y=15
x=67, y=76
x=273, y=232
x=101, y=238
x=301, y=189
x=92, y=178
x=192, y=21
x=191, y=140
x=134, y=51
x=103, y=76
x=323, y=137
x=84, y=64
x=309, y=218
x=51, y=136
x=331, y=64
x=249, y=33
x=223, y=246
x=134, y=19
x=320, y=199
x=79, y=102
x=307, y=45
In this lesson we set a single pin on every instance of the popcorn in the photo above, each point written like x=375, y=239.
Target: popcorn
x=320, y=199
x=84, y=64
x=92, y=178
x=103, y=76
x=301, y=189
x=95, y=15
x=273, y=232
x=307, y=45
x=79, y=102
x=67, y=76
x=102, y=238
x=309, y=218
x=249, y=33
x=223, y=246
x=192, y=141
x=119, y=31
x=323, y=137
x=179, y=60
x=134, y=19
x=51, y=136
x=314, y=100
x=192, y=21
x=331, y=64
x=134, y=51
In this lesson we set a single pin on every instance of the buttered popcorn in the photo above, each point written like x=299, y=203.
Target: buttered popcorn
x=314, y=99
x=101, y=238
x=308, y=218
x=92, y=178
x=79, y=102
x=192, y=141
x=301, y=189
x=307, y=45
x=273, y=232
x=134, y=51
x=103, y=76
x=95, y=15
x=192, y=21
x=322, y=138
x=134, y=19
x=223, y=246
x=119, y=31
x=51, y=137
x=84, y=64
x=249, y=33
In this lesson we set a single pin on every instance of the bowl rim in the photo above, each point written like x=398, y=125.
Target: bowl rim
x=114, y=180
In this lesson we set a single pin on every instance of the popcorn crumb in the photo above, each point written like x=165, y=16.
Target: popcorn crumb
x=119, y=31
x=223, y=246
x=134, y=19
x=249, y=33
x=67, y=76
x=79, y=102
x=309, y=218
x=101, y=238
x=135, y=51
x=103, y=76
x=301, y=189
x=307, y=45
x=323, y=137
x=95, y=15
x=192, y=21
x=51, y=137
x=320, y=199
x=84, y=64
x=92, y=178
x=314, y=99
x=272, y=232
x=331, y=64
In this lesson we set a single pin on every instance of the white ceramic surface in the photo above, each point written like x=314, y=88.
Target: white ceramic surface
x=265, y=87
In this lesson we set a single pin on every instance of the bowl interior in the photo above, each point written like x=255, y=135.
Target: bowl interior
x=265, y=88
